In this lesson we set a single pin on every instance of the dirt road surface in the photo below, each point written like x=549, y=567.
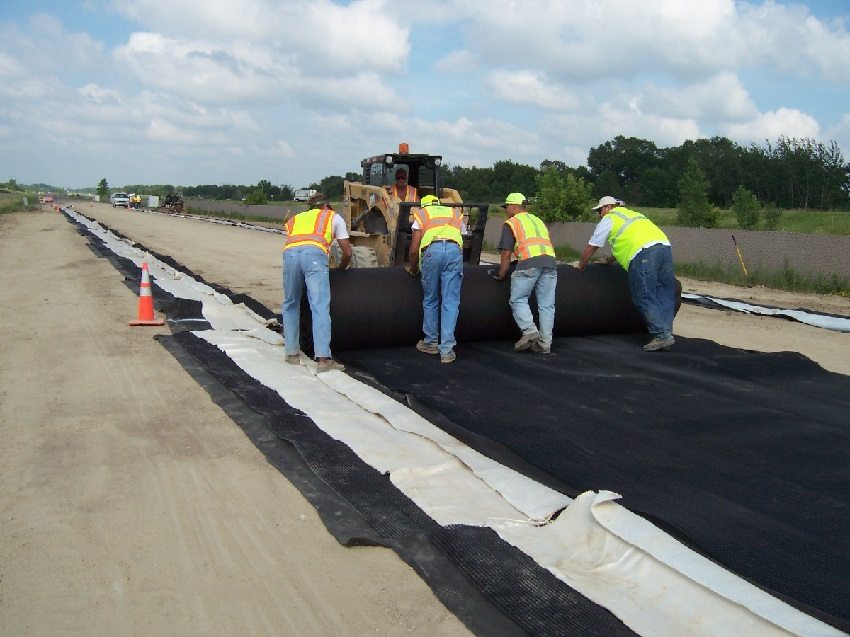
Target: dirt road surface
x=132, y=505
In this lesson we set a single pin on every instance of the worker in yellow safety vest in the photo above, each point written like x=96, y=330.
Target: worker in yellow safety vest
x=644, y=251
x=436, y=249
x=309, y=235
x=525, y=239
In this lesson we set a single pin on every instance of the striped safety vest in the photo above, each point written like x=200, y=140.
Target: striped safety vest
x=532, y=236
x=409, y=193
x=631, y=231
x=438, y=223
x=310, y=228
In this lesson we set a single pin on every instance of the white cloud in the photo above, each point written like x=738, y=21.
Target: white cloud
x=99, y=94
x=462, y=61
x=771, y=125
x=199, y=70
x=279, y=149
x=531, y=87
x=365, y=90
x=791, y=39
x=324, y=37
x=719, y=98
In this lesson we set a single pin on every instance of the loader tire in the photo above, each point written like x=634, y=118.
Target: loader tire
x=361, y=257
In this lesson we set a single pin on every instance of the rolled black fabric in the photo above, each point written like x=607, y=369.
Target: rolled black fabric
x=382, y=307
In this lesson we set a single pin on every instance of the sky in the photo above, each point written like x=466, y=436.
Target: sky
x=190, y=92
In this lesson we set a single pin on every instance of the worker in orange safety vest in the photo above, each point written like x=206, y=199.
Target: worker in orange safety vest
x=305, y=264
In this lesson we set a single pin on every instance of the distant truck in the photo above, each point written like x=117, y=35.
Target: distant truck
x=303, y=194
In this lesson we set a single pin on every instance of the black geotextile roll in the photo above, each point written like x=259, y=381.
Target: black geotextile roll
x=382, y=307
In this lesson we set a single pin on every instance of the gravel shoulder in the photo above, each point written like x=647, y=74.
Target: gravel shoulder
x=131, y=504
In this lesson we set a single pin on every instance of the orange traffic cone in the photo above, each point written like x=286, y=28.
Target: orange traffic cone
x=146, y=316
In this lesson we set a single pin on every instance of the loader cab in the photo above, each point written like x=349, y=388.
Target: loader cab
x=423, y=171
x=379, y=224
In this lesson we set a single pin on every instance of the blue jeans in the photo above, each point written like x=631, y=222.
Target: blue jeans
x=306, y=265
x=652, y=284
x=541, y=281
x=442, y=275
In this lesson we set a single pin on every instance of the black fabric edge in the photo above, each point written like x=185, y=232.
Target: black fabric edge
x=340, y=517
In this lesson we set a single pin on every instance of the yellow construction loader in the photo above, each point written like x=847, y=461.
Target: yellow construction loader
x=379, y=222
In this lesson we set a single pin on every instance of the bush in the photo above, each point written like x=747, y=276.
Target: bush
x=746, y=207
x=772, y=216
x=561, y=197
x=256, y=198
x=694, y=207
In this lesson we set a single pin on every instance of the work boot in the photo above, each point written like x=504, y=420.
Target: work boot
x=427, y=348
x=659, y=344
x=525, y=342
x=293, y=359
x=327, y=364
x=538, y=347
x=448, y=358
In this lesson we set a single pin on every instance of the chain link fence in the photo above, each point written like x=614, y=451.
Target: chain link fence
x=768, y=254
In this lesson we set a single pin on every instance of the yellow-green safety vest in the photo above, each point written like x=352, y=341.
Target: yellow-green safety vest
x=631, y=231
x=532, y=236
x=312, y=228
x=438, y=223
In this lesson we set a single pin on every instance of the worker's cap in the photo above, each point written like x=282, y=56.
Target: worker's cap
x=515, y=198
x=429, y=200
x=401, y=172
x=318, y=200
x=607, y=201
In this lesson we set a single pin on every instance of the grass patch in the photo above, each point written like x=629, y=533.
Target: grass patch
x=785, y=279
x=806, y=221
x=13, y=202
x=233, y=216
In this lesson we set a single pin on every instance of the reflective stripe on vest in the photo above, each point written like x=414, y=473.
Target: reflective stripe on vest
x=439, y=222
x=409, y=193
x=631, y=231
x=532, y=236
x=312, y=228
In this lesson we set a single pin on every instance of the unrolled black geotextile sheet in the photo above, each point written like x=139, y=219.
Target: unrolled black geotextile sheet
x=742, y=455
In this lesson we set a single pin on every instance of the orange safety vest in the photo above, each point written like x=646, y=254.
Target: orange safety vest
x=532, y=236
x=409, y=193
x=311, y=228
x=439, y=222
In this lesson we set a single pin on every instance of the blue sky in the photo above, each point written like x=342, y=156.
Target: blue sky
x=193, y=92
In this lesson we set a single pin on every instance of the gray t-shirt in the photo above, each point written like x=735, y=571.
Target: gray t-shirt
x=508, y=241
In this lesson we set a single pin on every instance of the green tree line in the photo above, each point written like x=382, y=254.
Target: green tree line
x=791, y=173
x=698, y=175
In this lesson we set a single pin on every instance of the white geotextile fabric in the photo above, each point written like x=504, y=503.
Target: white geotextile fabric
x=654, y=584
x=836, y=323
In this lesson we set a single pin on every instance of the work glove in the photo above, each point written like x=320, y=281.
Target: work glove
x=412, y=270
x=494, y=274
